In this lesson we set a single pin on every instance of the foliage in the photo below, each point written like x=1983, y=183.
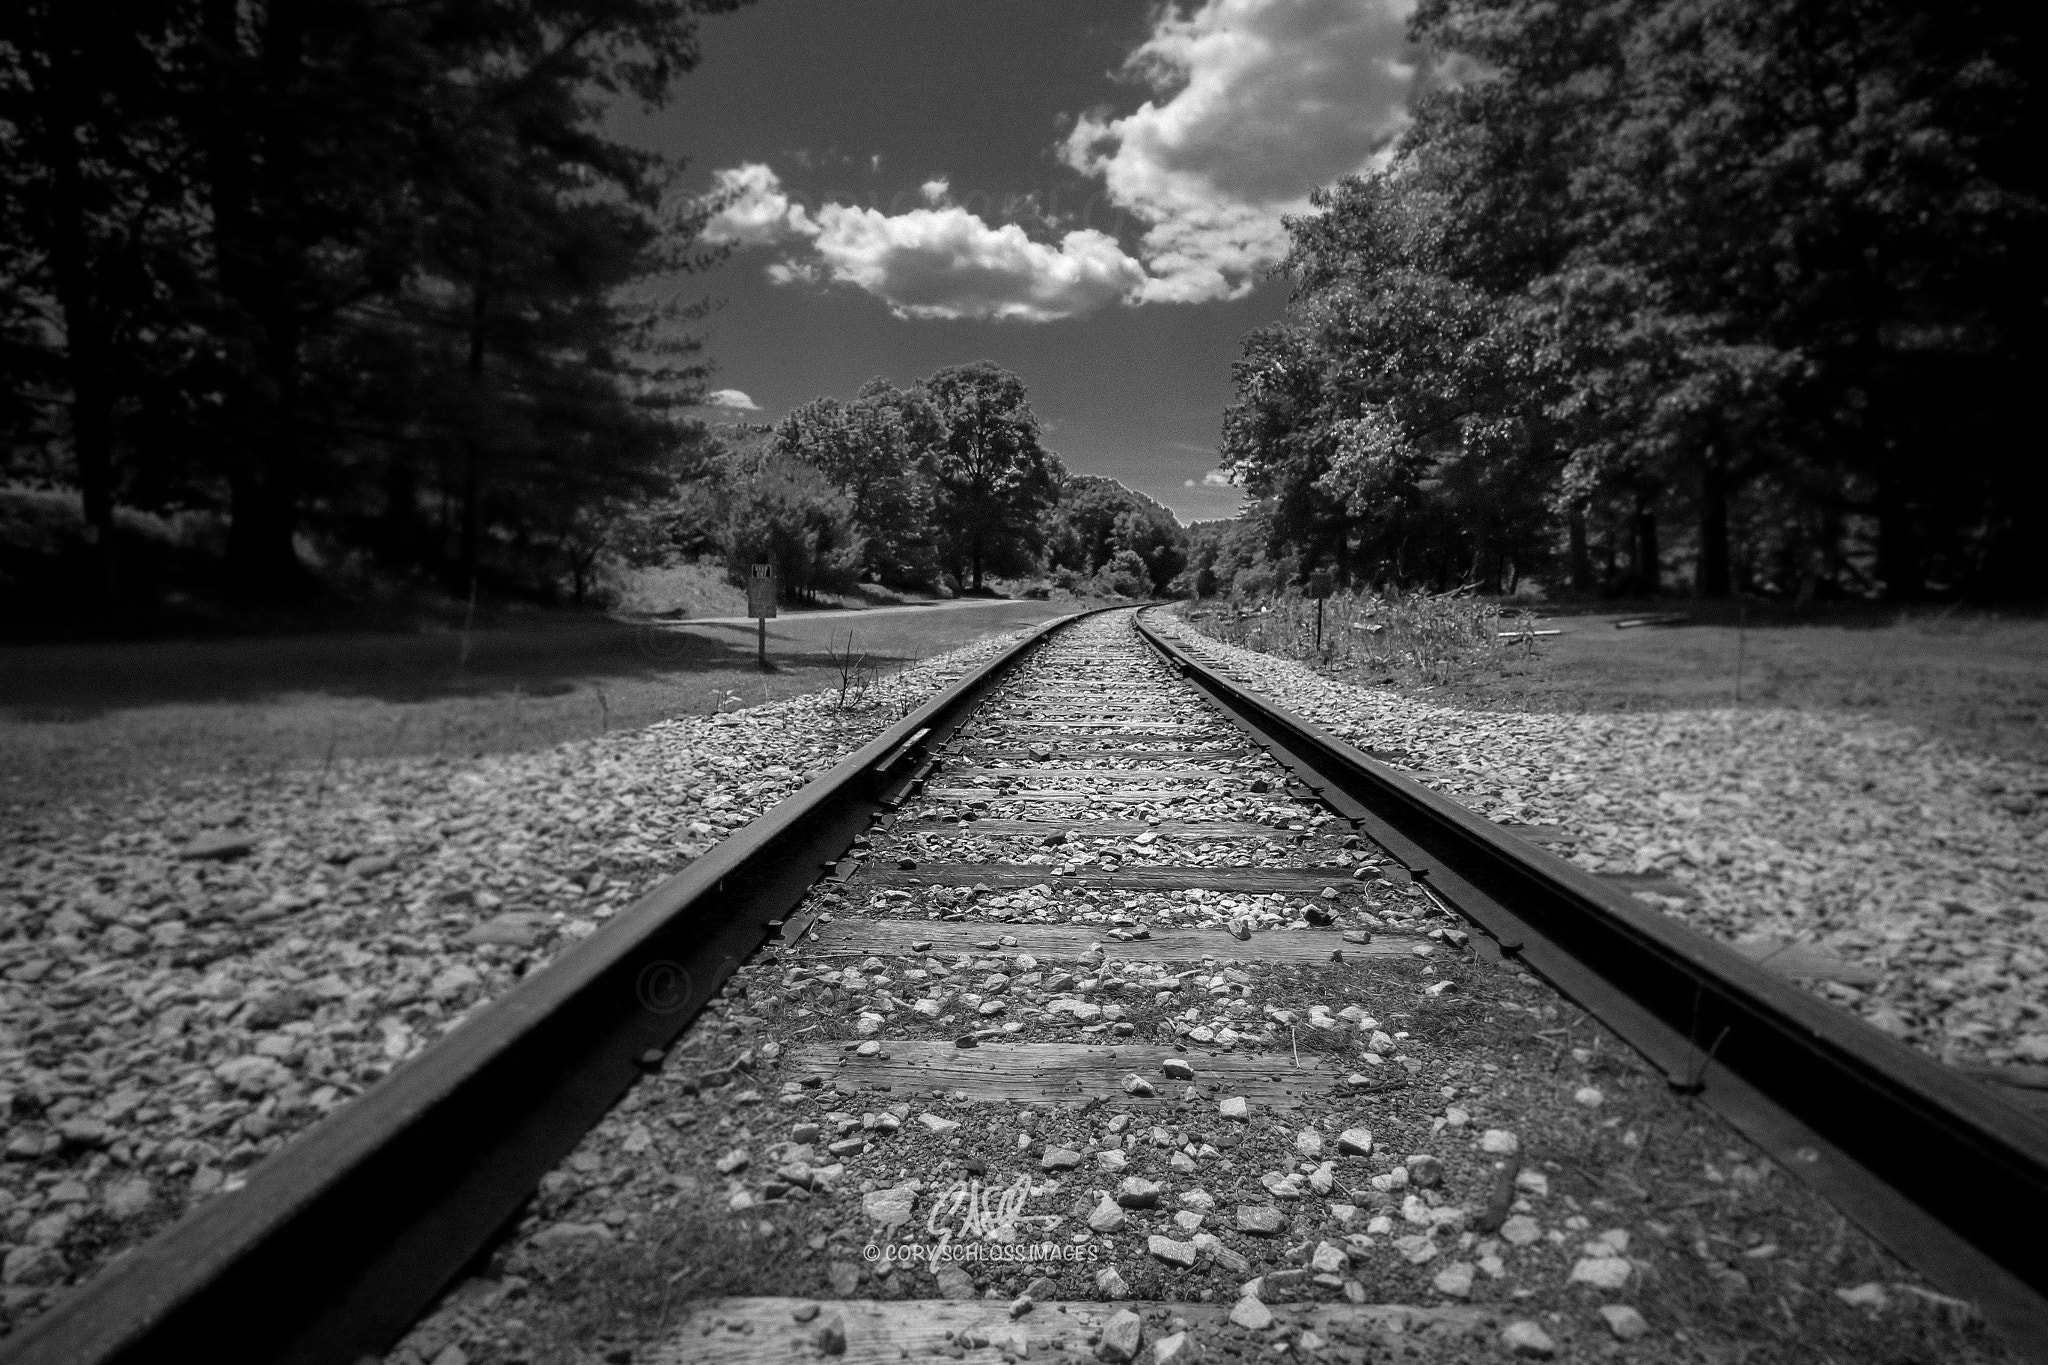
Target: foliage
x=1396, y=635
x=778, y=509
x=1097, y=520
x=372, y=272
x=1759, y=271
x=883, y=449
x=993, y=475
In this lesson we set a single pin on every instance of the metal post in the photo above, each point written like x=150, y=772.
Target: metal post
x=761, y=641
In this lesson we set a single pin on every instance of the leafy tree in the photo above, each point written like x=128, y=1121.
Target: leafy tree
x=317, y=262
x=1677, y=260
x=781, y=510
x=994, y=477
x=882, y=448
x=1096, y=518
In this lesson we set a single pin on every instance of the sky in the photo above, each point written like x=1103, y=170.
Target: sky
x=1087, y=192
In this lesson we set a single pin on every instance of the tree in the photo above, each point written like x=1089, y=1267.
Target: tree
x=994, y=477
x=341, y=253
x=90, y=218
x=1096, y=518
x=780, y=510
x=882, y=449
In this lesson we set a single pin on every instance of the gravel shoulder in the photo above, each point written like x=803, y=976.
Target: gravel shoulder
x=1496, y=1168
x=1903, y=852
x=193, y=975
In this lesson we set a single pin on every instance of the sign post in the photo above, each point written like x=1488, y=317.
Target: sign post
x=761, y=606
x=1321, y=584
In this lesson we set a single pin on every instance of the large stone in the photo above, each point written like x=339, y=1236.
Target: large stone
x=939, y=1124
x=955, y=1282
x=130, y=1198
x=1181, y=1070
x=1110, y=1283
x=1625, y=1322
x=1168, y=1250
x=1263, y=1220
x=844, y=1277
x=32, y=1265
x=1455, y=1280
x=1328, y=1259
x=1233, y=1108
x=1252, y=1315
x=1526, y=1339
x=1106, y=1217
x=1602, y=1272
x=1060, y=1159
x=1309, y=1143
x=1521, y=1230
x=1201, y=1201
x=1355, y=1142
x=1499, y=1142
x=1137, y=1193
x=1122, y=1335
x=889, y=1208
x=1171, y=1350
x=1138, y=1087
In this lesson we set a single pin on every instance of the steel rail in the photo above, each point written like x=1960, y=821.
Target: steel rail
x=341, y=1239
x=1950, y=1177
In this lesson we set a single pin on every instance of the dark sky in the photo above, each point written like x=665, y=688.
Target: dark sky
x=1115, y=272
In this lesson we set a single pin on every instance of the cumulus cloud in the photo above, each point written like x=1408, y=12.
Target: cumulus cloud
x=948, y=263
x=1254, y=102
x=1215, y=478
x=752, y=209
x=731, y=398
x=935, y=190
x=937, y=262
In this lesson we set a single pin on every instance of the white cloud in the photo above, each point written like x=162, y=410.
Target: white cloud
x=1255, y=102
x=1215, y=478
x=948, y=263
x=935, y=190
x=939, y=262
x=731, y=398
x=754, y=211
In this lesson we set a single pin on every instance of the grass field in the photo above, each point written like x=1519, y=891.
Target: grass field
x=78, y=721
x=1979, y=679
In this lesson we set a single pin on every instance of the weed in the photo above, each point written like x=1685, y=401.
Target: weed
x=1413, y=637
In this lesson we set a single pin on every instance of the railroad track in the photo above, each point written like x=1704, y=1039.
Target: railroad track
x=1099, y=1009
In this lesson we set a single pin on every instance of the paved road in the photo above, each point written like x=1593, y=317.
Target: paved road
x=848, y=613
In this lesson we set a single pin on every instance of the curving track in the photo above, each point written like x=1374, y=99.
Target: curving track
x=1133, y=1016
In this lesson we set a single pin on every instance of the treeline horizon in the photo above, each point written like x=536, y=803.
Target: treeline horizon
x=1719, y=296
x=1749, y=287
x=937, y=485
x=369, y=273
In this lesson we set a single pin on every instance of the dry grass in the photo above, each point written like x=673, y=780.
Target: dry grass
x=1978, y=679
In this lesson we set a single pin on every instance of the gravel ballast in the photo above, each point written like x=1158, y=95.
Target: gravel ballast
x=190, y=976
x=1896, y=852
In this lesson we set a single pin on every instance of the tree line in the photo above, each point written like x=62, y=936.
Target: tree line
x=940, y=484
x=365, y=271
x=1745, y=287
